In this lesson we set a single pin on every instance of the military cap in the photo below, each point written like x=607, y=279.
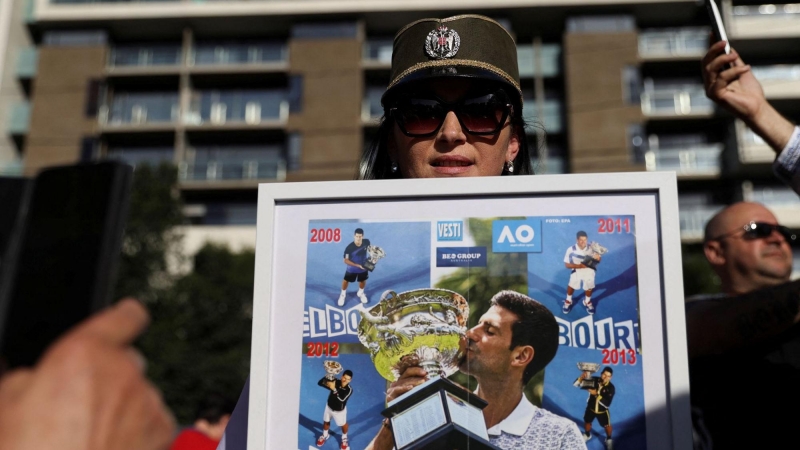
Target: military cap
x=469, y=46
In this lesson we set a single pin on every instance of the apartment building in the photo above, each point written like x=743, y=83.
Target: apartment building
x=238, y=92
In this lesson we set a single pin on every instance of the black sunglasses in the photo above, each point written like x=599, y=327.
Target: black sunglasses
x=419, y=116
x=761, y=230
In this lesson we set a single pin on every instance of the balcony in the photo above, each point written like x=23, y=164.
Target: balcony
x=371, y=109
x=236, y=108
x=204, y=165
x=377, y=54
x=145, y=56
x=136, y=156
x=781, y=200
x=693, y=220
x=752, y=149
x=27, y=60
x=245, y=55
x=11, y=168
x=765, y=21
x=673, y=44
x=141, y=110
x=547, y=64
x=675, y=99
x=780, y=81
x=551, y=116
x=697, y=161
x=19, y=119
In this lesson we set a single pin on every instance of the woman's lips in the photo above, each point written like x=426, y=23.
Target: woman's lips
x=451, y=165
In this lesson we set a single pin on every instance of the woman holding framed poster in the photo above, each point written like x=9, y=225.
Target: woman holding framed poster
x=453, y=109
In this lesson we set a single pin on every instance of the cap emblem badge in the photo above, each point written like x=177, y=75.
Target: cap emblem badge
x=442, y=43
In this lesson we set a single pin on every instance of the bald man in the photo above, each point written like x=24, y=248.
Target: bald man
x=744, y=344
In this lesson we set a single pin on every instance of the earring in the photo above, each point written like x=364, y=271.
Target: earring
x=510, y=166
x=394, y=167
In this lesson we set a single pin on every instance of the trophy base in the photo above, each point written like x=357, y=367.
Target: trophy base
x=369, y=266
x=438, y=414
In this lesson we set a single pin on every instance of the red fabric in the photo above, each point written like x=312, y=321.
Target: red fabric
x=190, y=439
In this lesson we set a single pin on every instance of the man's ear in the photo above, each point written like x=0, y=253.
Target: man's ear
x=522, y=355
x=714, y=253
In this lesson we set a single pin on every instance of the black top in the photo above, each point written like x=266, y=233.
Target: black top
x=337, y=400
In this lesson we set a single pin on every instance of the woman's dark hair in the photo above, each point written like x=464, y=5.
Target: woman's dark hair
x=375, y=163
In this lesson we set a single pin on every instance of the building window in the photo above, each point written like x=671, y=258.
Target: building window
x=600, y=24
x=141, y=155
x=239, y=52
x=238, y=106
x=146, y=55
x=295, y=96
x=294, y=154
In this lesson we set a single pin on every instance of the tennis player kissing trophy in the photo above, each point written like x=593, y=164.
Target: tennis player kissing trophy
x=425, y=327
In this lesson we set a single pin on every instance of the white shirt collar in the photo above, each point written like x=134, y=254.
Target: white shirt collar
x=518, y=421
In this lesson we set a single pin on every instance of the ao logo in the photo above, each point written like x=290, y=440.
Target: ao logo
x=523, y=234
x=511, y=236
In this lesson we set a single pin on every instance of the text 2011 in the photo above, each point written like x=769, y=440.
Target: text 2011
x=612, y=225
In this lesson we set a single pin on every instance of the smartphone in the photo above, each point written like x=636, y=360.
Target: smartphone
x=60, y=263
x=716, y=24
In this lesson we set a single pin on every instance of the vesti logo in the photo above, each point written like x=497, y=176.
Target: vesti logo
x=510, y=236
x=452, y=230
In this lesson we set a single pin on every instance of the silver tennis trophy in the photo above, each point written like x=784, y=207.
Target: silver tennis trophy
x=374, y=253
x=426, y=328
x=332, y=368
x=588, y=368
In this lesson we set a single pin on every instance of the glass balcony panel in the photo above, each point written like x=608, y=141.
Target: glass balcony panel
x=695, y=160
x=20, y=118
x=151, y=55
x=234, y=163
x=773, y=196
x=673, y=42
x=550, y=60
x=693, y=220
x=781, y=72
x=525, y=60
x=253, y=107
x=552, y=116
x=378, y=50
x=143, y=107
x=142, y=155
x=27, y=61
x=372, y=109
x=767, y=10
x=12, y=168
x=239, y=53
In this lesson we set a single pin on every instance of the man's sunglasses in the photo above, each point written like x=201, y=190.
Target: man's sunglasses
x=423, y=116
x=761, y=230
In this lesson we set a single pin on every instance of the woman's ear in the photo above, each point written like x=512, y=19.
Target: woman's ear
x=513, y=145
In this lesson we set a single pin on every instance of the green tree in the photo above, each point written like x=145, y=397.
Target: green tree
x=199, y=341
x=150, y=237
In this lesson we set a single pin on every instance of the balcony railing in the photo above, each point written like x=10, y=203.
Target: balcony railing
x=19, y=119
x=752, y=149
x=673, y=42
x=378, y=51
x=11, y=168
x=140, y=108
x=771, y=196
x=27, y=61
x=777, y=73
x=136, y=156
x=244, y=107
x=693, y=220
x=547, y=65
x=145, y=56
x=233, y=163
x=209, y=54
x=767, y=10
x=551, y=116
x=697, y=160
x=371, y=108
x=676, y=102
